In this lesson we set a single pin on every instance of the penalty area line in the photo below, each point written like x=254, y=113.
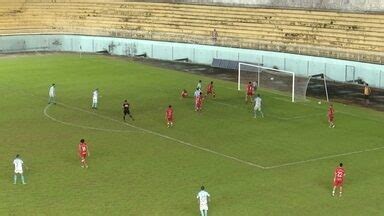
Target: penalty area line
x=82, y=126
x=167, y=137
x=323, y=158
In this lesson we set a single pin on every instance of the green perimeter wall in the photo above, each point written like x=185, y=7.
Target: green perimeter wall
x=340, y=70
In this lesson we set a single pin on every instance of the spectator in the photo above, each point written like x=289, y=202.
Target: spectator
x=367, y=93
x=214, y=36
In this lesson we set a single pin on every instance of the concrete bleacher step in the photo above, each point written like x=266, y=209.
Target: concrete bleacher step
x=245, y=27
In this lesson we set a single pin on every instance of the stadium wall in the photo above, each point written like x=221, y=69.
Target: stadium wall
x=339, y=70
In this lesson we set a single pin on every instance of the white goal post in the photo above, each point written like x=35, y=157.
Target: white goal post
x=259, y=69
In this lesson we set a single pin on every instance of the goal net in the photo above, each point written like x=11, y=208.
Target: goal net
x=282, y=81
x=317, y=86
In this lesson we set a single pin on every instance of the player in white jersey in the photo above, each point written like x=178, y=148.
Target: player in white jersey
x=18, y=169
x=199, y=85
x=197, y=92
x=203, y=197
x=95, y=98
x=52, y=94
x=257, y=107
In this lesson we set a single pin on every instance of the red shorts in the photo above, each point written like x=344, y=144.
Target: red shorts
x=249, y=93
x=209, y=92
x=83, y=155
x=170, y=119
x=330, y=117
x=338, y=183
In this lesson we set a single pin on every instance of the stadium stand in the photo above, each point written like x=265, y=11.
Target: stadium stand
x=352, y=36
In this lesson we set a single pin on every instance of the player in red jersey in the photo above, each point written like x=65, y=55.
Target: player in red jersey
x=169, y=116
x=199, y=102
x=83, y=153
x=249, y=92
x=210, y=90
x=184, y=93
x=331, y=116
x=338, y=179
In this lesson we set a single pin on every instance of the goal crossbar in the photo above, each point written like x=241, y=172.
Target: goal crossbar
x=266, y=68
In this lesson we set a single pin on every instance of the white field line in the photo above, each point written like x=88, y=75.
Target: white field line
x=81, y=126
x=323, y=158
x=167, y=137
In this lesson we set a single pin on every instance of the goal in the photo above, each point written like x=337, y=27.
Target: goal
x=280, y=81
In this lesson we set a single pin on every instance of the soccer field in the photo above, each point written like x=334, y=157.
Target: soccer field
x=280, y=165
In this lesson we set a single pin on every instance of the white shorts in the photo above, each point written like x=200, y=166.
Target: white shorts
x=257, y=108
x=18, y=171
x=203, y=207
x=51, y=95
x=94, y=100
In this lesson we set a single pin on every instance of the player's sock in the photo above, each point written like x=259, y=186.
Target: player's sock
x=333, y=193
x=202, y=212
x=340, y=193
x=22, y=179
x=14, y=179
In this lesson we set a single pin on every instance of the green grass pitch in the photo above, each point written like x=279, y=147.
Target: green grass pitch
x=280, y=165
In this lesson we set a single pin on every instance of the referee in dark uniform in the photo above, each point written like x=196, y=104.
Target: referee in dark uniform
x=126, y=110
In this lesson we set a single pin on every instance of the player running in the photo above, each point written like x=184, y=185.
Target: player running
x=52, y=94
x=203, y=198
x=95, y=98
x=184, y=93
x=18, y=169
x=257, y=107
x=249, y=92
x=169, y=116
x=338, y=179
x=126, y=110
x=331, y=116
x=83, y=153
x=210, y=90
x=199, y=102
